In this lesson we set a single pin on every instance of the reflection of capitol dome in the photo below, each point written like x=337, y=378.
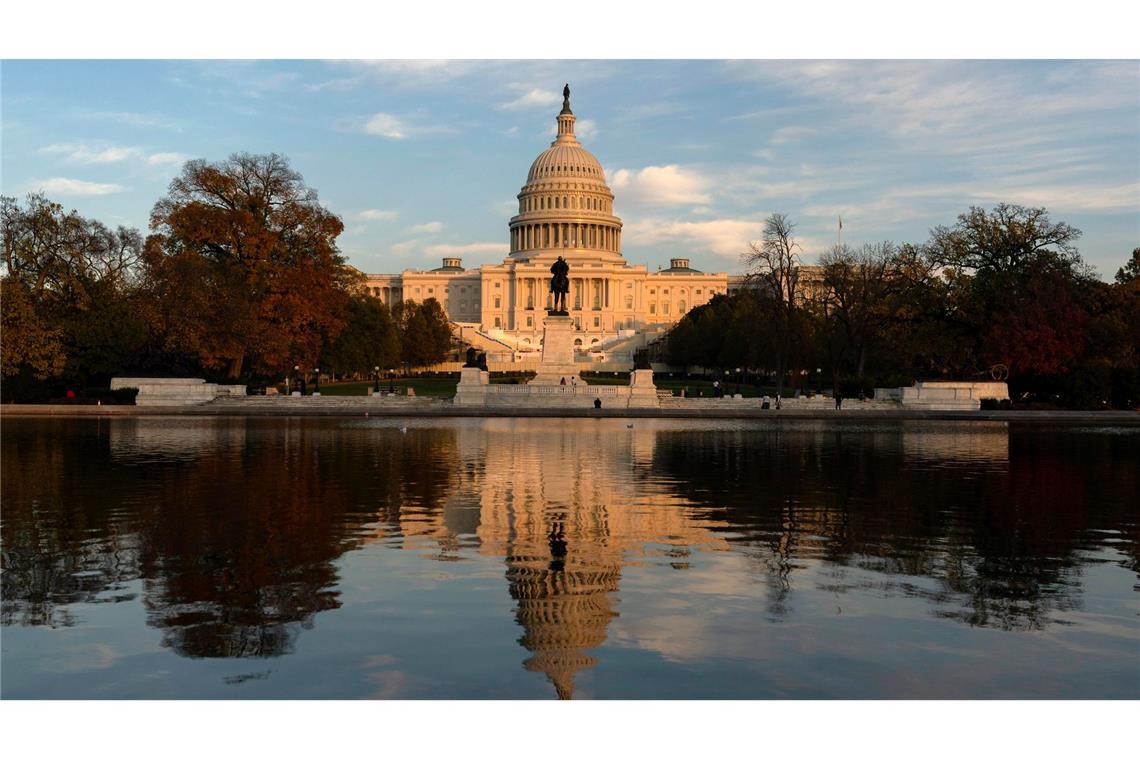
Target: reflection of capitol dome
x=563, y=611
x=565, y=205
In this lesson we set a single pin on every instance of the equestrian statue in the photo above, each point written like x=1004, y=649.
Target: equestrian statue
x=560, y=285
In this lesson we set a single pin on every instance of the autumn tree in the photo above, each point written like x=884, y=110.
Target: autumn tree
x=69, y=295
x=243, y=267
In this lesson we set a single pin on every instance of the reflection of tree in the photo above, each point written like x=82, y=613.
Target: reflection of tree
x=55, y=558
x=1001, y=539
x=235, y=539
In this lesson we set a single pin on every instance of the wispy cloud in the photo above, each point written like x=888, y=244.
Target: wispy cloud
x=393, y=127
x=785, y=135
x=533, y=98
x=88, y=153
x=130, y=119
x=105, y=153
x=448, y=249
x=69, y=186
x=427, y=228
x=377, y=214
x=160, y=159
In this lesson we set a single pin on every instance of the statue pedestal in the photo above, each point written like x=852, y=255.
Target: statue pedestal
x=642, y=391
x=472, y=388
x=557, y=362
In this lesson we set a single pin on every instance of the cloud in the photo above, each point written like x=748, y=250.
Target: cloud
x=585, y=128
x=404, y=248
x=785, y=135
x=723, y=237
x=661, y=185
x=386, y=125
x=377, y=215
x=130, y=118
x=103, y=153
x=158, y=159
x=68, y=186
x=447, y=249
x=88, y=153
x=533, y=98
x=428, y=228
x=395, y=127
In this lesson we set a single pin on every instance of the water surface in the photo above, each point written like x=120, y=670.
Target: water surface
x=537, y=558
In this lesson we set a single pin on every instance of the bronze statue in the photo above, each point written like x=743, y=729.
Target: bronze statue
x=559, y=285
x=566, y=99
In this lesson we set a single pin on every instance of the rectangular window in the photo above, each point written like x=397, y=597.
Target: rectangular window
x=530, y=321
x=665, y=308
x=498, y=322
x=652, y=308
x=597, y=321
x=498, y=302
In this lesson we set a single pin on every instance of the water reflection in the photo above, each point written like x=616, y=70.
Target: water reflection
x=234, y=532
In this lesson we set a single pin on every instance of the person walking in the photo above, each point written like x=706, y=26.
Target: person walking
x=838, y=400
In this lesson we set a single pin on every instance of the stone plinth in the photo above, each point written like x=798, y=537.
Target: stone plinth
x=642, y=391
x=557, y=363
x=945, y=395
x=472, y=388
x=175, y=391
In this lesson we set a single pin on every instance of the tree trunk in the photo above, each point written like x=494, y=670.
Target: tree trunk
x=234, y=371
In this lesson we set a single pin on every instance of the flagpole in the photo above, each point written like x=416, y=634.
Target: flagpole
x=839, y=234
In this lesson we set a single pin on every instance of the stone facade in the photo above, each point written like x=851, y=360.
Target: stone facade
x=566, y=209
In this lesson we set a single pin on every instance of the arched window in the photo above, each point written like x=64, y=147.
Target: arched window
x=577, y=342
x=556, y=202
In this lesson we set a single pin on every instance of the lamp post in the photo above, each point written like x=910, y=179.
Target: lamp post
x=316, y=380
x=376, y=377
x=738, y=371
x=819, y=380
x=296, y=379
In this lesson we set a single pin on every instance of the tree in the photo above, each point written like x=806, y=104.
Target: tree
x=27, y=340
x=1000, y=264
x=772, y=265
x=1009, y=239
x=69, y=286
x=1130, y=272
x=368, y=340
x=251, y=253
x=425, y=333
x=859, y=297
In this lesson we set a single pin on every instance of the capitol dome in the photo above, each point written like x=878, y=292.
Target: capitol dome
x=566, y=207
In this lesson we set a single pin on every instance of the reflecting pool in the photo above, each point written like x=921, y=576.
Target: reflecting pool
x=535, y=558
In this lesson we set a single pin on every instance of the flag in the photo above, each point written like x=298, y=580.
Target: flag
x=840, y=222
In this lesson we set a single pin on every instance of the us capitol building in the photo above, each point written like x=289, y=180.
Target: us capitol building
x=565, y=209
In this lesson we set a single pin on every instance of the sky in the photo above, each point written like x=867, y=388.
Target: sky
x=424, y=159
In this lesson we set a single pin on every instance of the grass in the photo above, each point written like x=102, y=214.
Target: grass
x=423, y=386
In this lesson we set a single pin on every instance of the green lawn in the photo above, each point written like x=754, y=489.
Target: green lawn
x=423, y=386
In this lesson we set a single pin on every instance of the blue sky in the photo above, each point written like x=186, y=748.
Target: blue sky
x=423, y=158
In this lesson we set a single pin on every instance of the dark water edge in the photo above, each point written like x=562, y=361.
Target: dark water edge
x=156, y=557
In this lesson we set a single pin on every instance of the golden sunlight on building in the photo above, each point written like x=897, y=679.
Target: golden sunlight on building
x=566, y=209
